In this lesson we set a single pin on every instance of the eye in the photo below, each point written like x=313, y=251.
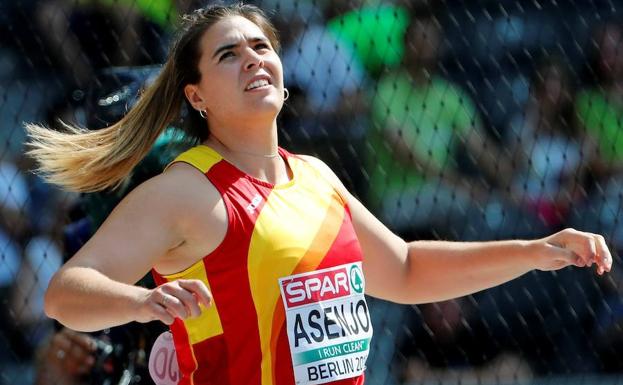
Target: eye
x=262, y=46
x=225, y=55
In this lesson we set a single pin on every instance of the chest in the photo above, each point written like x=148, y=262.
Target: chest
x=287, y=227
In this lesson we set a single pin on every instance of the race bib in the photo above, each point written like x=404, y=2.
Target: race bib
x=328, y=321
x=163, y=367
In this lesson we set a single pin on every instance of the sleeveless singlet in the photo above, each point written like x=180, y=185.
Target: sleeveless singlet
x=287, y=284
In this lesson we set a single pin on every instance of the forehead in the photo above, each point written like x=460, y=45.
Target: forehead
x=231, y=30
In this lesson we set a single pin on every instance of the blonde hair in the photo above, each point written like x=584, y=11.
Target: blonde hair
x=82, y=160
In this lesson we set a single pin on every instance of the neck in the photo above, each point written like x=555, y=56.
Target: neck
x=254, y=151
x=420, y=74
x=258, y=142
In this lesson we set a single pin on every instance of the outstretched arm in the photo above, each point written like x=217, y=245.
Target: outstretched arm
x=431, y=271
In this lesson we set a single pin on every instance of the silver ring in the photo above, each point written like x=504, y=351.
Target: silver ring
x=60, y=354
x=164, y=301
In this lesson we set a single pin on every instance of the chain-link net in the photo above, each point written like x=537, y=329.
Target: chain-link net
x=461, y=120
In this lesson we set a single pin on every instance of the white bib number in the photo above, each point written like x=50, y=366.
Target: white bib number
x=328, y=322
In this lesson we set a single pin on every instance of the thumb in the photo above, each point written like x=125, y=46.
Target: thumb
x=559, y=256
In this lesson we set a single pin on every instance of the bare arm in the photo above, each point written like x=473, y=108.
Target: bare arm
x=431, y=271
x=94, y=289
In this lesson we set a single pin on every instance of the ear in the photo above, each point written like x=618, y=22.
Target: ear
x=193, y=95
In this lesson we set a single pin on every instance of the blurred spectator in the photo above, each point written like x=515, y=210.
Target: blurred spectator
x=421, y=123
x=86, y=35
x=373, y=30
x=327, y=108
x=600, y=110
x=29, y=255
x=65, y=359
x=42, y=257
x=551, y=154
x=600, y=107
x=13, y=201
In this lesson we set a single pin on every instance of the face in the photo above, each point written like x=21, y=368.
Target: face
x=423, y=41
x=241, y=75
x=553, y=86
x=611, y=52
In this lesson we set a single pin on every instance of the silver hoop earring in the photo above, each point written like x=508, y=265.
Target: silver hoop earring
x=287, y=94
x=203, y=113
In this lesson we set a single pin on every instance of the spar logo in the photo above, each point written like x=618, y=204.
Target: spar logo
x=321, y=286
x=356, y=279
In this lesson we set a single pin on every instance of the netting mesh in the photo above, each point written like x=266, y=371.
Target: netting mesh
x=462, y=120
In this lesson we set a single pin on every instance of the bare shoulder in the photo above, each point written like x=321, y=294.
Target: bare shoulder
x=318, y=164
x=326, y=171
x=175, y=198
x=181, y=183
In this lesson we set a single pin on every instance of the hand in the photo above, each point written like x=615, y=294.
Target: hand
x=177, y=299
x=68, y=356
x=572, y=247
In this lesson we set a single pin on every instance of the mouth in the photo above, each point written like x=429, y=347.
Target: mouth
x=258, y=83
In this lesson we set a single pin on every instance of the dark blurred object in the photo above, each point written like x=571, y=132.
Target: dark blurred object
x=122, y=354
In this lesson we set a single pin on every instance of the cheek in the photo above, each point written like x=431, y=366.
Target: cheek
x=218, y=90
x=275, y=66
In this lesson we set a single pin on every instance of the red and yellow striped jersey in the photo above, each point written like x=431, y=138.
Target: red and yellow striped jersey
x=286, y=282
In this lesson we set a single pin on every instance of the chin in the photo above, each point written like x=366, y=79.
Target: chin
x=267, y=104
x=263, y=111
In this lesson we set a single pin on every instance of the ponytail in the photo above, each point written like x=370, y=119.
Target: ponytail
x=85, y=161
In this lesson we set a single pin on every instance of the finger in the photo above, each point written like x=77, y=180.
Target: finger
x=580, y=243
x=78, y=354
x=84, y=369
x=81, y=339
x=188, y=299
x=160, y=313
x=604, y=258
x=585, y=248
x=77, y=360
x=199, y=289
x=60, y=342
x=174, y=306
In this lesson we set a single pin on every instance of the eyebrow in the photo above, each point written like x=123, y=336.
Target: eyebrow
x=231, y=46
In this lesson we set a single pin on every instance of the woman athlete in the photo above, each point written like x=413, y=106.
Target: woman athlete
x=262, y=257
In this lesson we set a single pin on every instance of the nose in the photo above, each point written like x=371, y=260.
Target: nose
x=252, y=60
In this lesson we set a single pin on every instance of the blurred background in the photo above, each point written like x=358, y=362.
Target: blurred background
x=449, y=119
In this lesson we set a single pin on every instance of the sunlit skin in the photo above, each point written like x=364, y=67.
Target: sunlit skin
x=235, y=52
